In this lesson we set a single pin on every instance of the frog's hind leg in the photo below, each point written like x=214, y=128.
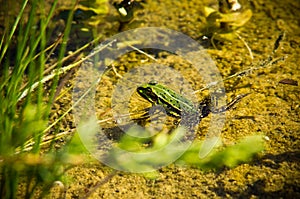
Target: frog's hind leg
x=230, y=104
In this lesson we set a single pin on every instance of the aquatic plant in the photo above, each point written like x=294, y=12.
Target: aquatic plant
x=26, y=168
x=171, y=148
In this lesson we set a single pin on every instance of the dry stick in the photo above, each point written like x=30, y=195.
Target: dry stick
x=66, y=90
x=139, y=115
x=247, y=46
x=71, y=55
x=115, y=71
x=47, y=78
x=144, y=53
x=45, y=140
x=54, y=45
x=99, y=184
x=266, y=63
x=138, y=50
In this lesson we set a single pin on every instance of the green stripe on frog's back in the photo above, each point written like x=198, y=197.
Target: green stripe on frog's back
x=176, y=99
x=174, y=103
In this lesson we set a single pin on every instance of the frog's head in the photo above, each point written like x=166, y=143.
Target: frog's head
x=147, y=91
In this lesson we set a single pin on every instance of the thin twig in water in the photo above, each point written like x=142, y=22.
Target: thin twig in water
x=144, y=53
x=99, y=184
x=73, y=54
x=115, y=71
x=247, y=46
x=45, y=140
x=264, y=64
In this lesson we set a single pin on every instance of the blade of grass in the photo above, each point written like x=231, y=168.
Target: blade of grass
x=14, y=125
x=59, y=71
x=12, y=31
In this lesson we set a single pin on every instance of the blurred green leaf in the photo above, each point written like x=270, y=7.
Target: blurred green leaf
x=75, y=146
x=169, y=148
x=230, y=156
x=98, y=6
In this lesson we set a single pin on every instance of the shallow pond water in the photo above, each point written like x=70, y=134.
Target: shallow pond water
x=271, y=109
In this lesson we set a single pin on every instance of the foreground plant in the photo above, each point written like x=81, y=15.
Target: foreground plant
x=23, y=59
x=165, y=149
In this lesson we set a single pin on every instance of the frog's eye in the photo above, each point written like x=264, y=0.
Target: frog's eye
x=125, y=7
x=150, y=94
x=148, y=91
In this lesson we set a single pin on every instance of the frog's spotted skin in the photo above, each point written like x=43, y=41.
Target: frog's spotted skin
x=174, y=103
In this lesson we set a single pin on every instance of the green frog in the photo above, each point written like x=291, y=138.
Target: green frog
x=177, y=105
x=174, y=103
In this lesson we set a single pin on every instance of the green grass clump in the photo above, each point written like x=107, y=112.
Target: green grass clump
x=24, y=113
